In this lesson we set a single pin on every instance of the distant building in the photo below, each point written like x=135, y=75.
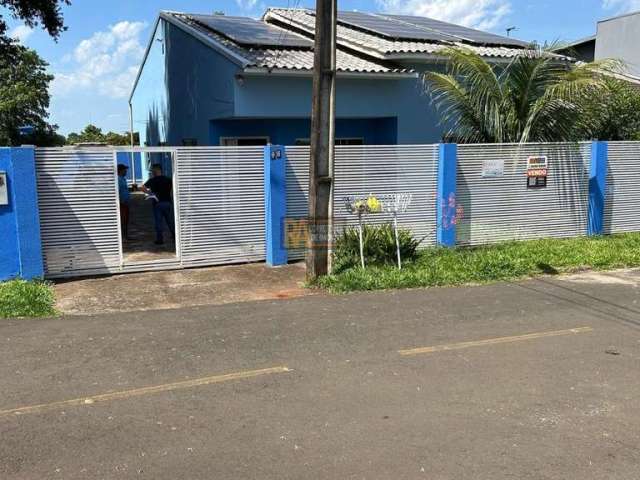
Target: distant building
x=617, y=37
x=583, y=50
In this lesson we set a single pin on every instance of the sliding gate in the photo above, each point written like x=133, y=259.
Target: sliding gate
x=219, y=209
x=78, y=204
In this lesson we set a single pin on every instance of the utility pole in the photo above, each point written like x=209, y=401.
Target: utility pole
x=322, y=139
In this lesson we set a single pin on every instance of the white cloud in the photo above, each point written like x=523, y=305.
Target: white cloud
x=621, y=6
x=481, y=14
x=21, y=33
x=246, y=5
x=106, y=63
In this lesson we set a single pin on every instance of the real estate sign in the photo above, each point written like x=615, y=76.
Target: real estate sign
x=537, y=172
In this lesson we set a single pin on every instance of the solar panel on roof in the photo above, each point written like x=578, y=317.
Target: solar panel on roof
x=464, y=33
x=247, y=31
x=390, y=28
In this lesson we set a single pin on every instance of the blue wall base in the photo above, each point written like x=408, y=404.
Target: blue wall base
x=446, y=204
x=597, y=187
x=21, y=248
x=275, y=197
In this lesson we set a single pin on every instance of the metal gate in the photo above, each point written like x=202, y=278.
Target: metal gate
x=219, y=199
x=79, y=218
x=221, y=205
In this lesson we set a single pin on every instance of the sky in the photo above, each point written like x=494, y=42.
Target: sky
x=96, y=60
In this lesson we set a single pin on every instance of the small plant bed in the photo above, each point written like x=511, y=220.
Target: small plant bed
x=19, y=298
x=457, y=266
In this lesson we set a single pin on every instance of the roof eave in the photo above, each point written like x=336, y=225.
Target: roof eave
x=254, y=71
x=210, y=42
x=170, y=17
x=575, y=43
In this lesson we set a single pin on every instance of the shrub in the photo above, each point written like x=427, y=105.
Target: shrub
x=379, y=247
x=19, y=298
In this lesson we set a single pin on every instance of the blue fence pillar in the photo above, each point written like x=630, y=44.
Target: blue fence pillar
x=20, y=245
x=446, y=204
x=275, y=198
x=597, y=187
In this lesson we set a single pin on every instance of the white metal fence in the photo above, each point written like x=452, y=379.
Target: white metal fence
x=297, y=189
x=622, y=204
x=364, y=170
x=78, y=203
x=501, y=207
x=220, y=198
x=221, y=205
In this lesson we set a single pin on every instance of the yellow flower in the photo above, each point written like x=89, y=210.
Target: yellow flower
x=373, y=204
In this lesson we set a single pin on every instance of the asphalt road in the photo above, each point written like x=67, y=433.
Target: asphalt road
x=339, y=401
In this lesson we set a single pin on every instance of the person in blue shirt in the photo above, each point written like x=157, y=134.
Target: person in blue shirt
x=124, y=197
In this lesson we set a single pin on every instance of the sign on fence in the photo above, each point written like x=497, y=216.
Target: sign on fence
x=537, y=170
x=492, y=168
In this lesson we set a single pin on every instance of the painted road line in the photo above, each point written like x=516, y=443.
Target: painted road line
x=493, y=341
x=168, y=387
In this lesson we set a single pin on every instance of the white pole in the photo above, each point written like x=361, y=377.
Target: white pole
x=133, y=157
x=361, y=240
x=395, y=227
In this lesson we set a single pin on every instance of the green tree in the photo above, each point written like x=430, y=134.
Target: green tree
x=615, y=111
x=24, y=81
x=24, y=96
x=536, y=97
x=93, y=134
x=47, y=13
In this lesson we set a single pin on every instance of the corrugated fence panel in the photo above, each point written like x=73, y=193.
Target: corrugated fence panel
x=221, y=205
x=371, y=169
x=622, y=205
x=383, y=170
x=297, y=189
x=501, y=208
x=77, y=197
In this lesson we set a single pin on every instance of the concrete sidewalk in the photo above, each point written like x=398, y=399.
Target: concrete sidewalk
x=316, y=387
x=180, y=289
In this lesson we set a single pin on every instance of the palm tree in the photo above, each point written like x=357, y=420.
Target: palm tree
x=536, y=97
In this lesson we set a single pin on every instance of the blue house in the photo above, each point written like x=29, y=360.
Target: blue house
x=219, y=80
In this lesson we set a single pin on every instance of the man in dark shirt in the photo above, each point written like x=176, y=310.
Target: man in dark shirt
x=161, y=186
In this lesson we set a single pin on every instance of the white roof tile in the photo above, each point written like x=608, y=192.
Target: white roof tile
x=287, y=58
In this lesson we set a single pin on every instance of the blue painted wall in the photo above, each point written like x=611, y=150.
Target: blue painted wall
x=9, y=255
x=124, y=158
x=275, y=204
x=378, y=131
x=184, y=85
x=359, y=98
x=21, y=248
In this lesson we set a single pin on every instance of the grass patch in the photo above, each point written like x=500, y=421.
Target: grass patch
x=505, y=261
x=19, y=298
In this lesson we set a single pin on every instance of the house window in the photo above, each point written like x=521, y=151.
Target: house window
x=349, y=141
x=243, y=141
x=339, y=141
